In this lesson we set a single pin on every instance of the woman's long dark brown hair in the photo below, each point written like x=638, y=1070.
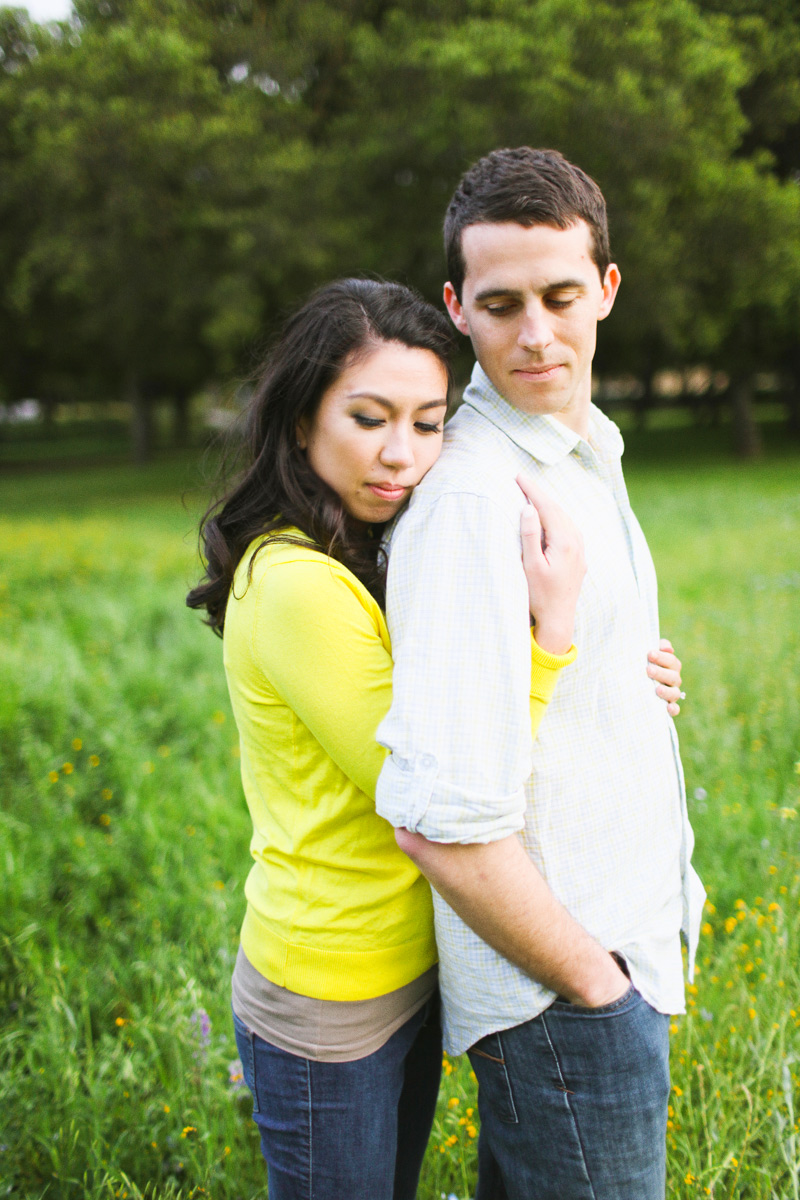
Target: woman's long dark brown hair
x=277, y=489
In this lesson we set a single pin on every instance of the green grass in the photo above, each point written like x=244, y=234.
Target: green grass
x=123, y=843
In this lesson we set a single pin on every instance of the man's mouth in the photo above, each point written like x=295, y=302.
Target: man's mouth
x=539, y=373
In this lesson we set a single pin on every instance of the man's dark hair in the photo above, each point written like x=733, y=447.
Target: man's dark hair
x=530, y=187
x=339, y=324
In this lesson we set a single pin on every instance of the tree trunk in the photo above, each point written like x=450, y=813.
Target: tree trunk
x=141, y=422
x=180, y=422
x=48, y=412
x=792, y=394
x=793, y=406
x=746, y=434
x=643, y=405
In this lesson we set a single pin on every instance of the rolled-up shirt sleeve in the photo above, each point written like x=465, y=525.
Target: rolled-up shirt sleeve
x=459, y=726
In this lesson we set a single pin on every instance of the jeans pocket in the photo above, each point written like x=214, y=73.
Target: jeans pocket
x=601, y=1010
x=247, y=1055
x=494, y=1086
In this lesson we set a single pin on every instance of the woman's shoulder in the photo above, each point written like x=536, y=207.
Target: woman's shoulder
x=280, y=548
x=286, y=567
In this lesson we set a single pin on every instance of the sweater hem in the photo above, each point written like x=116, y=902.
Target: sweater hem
x=334, y=974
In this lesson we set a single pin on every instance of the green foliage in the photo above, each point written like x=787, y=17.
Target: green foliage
x=141, y=179
x=176, y=174
x=123, y=841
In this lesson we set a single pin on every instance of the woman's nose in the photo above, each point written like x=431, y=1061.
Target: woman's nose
x=397, y=450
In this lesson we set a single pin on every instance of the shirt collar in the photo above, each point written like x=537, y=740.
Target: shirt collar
x=541, y=435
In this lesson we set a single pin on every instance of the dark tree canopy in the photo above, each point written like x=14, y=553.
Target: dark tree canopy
x=175, y=173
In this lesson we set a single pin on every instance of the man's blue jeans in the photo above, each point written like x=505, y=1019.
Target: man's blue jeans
x=573, y=1104
x=342, y=1131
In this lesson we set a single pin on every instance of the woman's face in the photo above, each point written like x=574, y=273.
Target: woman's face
x=378, y=429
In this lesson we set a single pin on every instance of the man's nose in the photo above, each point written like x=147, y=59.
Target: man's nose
x=397, y=450
x=535, y=331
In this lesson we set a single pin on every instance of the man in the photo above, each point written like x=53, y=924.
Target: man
x=561, y=869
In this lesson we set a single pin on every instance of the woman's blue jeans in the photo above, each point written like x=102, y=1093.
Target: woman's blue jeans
x=573, y=1104
x=342, y=1131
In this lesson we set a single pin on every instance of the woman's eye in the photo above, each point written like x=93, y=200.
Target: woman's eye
x=424, y=427
x=367, y=422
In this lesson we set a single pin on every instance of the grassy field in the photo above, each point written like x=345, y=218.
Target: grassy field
x=123, y=844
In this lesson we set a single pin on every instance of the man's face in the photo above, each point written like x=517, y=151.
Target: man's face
x=531, y=300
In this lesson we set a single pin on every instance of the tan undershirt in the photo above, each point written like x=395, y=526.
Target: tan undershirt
x=324, y=1030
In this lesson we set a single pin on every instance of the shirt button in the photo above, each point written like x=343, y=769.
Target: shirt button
x=428, y=760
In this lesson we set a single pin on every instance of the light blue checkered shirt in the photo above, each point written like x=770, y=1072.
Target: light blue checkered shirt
x=598, y=801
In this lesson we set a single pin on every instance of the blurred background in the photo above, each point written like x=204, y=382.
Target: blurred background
x=175, y=174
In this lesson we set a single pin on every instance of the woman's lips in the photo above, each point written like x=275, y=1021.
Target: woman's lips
x=387, y=491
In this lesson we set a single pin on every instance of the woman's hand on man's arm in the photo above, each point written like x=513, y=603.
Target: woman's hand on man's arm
x=554, y=562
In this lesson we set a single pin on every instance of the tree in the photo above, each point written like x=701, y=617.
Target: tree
x=648, y=98
x=135, y=198
x=181, y=172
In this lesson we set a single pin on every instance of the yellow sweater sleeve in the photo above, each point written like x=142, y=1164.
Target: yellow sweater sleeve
x=545, y=670
x=322, y=649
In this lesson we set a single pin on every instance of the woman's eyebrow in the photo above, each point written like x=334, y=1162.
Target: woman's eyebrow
x=387, y=404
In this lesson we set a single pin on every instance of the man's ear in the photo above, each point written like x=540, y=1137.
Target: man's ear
x=453, y=306
x=610, y=288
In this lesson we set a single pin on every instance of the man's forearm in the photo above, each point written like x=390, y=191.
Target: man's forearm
x=499, y=893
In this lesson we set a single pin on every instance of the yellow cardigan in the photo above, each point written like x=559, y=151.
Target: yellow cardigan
x=334, y=909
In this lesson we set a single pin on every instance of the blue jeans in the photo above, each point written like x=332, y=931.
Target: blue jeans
x=573, y=1104
x=342, y=1131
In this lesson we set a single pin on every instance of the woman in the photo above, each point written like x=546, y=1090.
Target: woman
x=334, y=989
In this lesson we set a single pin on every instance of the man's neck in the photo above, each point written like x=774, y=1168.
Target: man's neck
x=577, y=420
